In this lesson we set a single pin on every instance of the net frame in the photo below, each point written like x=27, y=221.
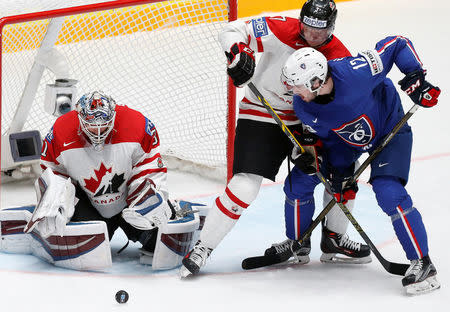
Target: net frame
x=110, y=5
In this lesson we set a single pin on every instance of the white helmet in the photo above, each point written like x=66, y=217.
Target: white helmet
x=303, y=67
x=96, y=112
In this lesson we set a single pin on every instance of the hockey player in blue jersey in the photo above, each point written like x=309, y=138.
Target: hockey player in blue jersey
x=348, y=106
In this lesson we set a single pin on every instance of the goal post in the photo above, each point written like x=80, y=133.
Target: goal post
x=159, y=57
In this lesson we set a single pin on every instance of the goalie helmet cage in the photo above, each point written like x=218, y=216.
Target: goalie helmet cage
x=159, y=57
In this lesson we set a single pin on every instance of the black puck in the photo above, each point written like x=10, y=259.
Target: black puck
x=122, y=296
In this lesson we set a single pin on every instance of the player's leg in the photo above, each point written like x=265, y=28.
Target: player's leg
x=259, y=150
x=335, y=244
x=298, y=212
x=388, y=183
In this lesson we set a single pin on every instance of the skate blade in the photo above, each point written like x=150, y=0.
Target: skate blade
x=298, y=260
x=338, y=258
x=424, y=287
x=146, y=257
x=184, y=272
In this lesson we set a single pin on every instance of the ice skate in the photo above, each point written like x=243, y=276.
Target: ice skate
x=338, y=248
x=194, y=260
x=145, y=256
x=300, y=253
x=420, y=278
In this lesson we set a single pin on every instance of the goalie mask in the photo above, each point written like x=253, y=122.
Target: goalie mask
x=305, y=67
x=96, y=112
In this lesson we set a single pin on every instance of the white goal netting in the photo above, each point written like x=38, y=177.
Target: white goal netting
x=161, y=58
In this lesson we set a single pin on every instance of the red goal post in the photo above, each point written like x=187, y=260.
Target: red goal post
x=159, y=57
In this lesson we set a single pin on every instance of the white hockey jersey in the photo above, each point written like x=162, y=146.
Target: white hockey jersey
x=130, y=154
x=276, y=38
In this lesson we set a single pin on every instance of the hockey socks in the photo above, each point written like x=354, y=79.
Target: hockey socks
x=406, y=219
x=298, y=215
x=227, y=209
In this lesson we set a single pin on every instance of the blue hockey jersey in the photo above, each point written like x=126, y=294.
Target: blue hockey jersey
x=366, y=105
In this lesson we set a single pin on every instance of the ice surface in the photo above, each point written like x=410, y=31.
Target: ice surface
x=27, y=283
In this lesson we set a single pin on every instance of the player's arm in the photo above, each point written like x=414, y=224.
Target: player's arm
x=147, y=191
x=239, y=43
x=400, y=51
x=49, y=154
x=407, y=60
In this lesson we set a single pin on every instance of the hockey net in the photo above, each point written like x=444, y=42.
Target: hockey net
x=159, y=57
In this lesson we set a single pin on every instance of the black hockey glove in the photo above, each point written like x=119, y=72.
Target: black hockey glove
x=419, y=90
x=241, y=63
x=339, y=179
x=308, y=162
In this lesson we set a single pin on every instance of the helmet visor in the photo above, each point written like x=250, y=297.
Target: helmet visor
x=312, y=85
x=315, y=36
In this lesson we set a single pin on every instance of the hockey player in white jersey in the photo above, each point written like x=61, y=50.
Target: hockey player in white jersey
x=260, y=146
x=108, y=156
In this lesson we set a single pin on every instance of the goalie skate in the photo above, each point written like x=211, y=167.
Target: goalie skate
x=420, y=277
x=339, y=248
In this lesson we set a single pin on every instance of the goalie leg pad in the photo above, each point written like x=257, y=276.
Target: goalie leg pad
x=176, y=238
x=83, y=245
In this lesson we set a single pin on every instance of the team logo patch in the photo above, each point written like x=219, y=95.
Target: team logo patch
x=49, y=136
x=160, y=162
x=260, y=27
x=358, y=132
x=149, y=126
x=104, y=181
x=373, y=59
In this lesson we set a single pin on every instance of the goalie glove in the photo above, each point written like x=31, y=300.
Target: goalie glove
x=56, y=204
x=241, y=63
x=309, y=161
x=147, y=207
x=419, y=90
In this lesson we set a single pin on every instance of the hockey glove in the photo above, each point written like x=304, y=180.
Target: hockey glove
x=56, y=204
x=147, y=208
x=241, y=63
x=309, y=161
x=342, y=190
x=419, y=90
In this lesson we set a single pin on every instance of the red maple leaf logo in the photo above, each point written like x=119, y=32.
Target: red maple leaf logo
x=92, y=184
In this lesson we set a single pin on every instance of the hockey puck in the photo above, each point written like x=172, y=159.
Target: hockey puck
x=122, y=296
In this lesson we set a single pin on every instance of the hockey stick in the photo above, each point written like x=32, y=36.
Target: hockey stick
x=391, y=267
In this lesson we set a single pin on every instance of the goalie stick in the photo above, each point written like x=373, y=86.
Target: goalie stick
x=391, y=267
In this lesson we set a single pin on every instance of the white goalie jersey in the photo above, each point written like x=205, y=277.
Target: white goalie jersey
x=276, y=38
x=130, y=154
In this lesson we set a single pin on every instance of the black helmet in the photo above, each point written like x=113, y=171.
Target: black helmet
x=319, y=14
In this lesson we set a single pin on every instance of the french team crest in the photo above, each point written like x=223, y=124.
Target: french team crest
x=358, y=132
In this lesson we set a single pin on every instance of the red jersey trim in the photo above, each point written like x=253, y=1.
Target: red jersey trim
x=148, y=160
x=144, y=173
x=259, y=44
x=261, y=114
